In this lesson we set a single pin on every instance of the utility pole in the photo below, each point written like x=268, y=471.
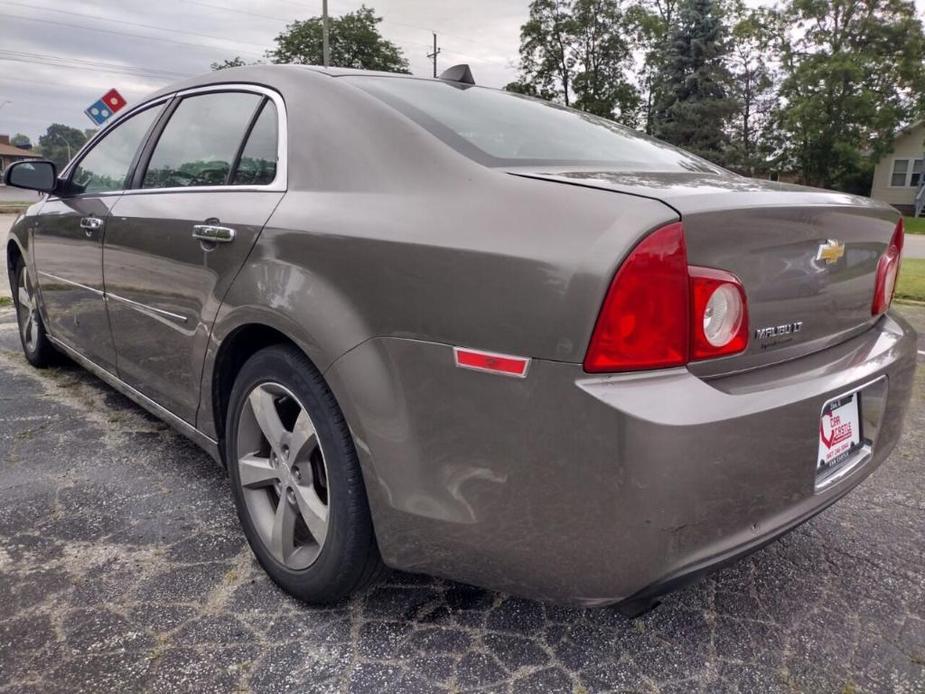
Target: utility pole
x=325, y=46
x=66, y=144
x=435, y=53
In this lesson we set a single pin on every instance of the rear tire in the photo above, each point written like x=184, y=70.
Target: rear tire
x=35, y=343
x=296, y=479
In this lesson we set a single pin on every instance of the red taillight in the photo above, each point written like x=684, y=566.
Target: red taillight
x=888, y=271
x=644, y=321
x=719, y=313
x=655, y=314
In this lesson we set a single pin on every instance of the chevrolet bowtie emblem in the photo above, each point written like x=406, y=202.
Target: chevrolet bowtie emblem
x=830, y=251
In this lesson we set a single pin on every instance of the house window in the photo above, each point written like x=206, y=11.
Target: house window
x=907, y=173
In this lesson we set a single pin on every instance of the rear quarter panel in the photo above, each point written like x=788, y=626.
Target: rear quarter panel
x=501, y=264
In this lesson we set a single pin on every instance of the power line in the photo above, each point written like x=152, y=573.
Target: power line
x=110, y=31
x=385, y=20
x=79, y=64
x=80, y=67
x=88, y=61
x=244, y=12
x=127, y=23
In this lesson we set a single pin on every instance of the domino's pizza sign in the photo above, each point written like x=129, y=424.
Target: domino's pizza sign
x=108, y=104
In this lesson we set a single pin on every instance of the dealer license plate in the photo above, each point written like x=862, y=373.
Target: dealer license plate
x=840, y=435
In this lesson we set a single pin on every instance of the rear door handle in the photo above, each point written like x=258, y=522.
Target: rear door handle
x=91, y=224
x=213, y=233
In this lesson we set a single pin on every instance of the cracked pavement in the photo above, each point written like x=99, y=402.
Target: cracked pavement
x=122, y=568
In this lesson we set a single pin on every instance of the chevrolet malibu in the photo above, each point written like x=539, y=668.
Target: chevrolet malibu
x=448, y=329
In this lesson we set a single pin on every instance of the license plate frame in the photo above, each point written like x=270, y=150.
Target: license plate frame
x=841, y=441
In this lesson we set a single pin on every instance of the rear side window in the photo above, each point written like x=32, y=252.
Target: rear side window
x=499, y=128
x=257, y=165
x=106, y=166
x=201, y=140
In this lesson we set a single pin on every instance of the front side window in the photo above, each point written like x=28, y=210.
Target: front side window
x=257, y=165
x=200, y=142
x=105, y=167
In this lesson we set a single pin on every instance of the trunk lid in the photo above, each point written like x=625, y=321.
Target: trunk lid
x=806, y=257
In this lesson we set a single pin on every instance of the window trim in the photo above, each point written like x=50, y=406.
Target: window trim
x=68, y=173
x=279, y=184
x=907, y=184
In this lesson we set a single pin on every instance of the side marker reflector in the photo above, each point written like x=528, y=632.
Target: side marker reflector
x=489, y=362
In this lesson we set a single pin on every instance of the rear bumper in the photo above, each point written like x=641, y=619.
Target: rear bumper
x=595, y=490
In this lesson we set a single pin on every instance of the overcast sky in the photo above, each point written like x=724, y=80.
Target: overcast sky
x=57, y=57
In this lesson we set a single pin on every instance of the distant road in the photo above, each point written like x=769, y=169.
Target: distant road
x=8, y=194
x=914, y=247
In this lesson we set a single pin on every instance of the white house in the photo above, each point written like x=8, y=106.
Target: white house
x=898, y=175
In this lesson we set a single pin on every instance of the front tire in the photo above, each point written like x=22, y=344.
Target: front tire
x=35, y=344
x=296, y=480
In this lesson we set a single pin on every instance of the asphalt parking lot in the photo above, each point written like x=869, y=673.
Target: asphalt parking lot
x=122, y=569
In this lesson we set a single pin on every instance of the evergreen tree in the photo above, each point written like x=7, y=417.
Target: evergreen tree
x=693, y=106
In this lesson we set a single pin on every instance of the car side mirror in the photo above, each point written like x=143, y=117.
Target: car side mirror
x=35, y=174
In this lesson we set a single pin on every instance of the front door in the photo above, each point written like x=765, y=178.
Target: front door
x=68, y=240
x=174, y=245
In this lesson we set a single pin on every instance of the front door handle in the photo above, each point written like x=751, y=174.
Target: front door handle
x=213, y=233
x=91, y=224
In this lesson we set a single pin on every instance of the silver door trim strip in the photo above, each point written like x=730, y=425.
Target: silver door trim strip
x=55, y=278
x=141, y=308
x=202, y=440
x=150, y=310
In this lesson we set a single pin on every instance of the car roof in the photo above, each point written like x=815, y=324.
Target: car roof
x=269, y=75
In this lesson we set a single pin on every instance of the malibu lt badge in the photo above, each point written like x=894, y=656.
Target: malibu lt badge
x=776, y=334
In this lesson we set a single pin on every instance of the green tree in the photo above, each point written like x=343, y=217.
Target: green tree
x=653, y=21
x=602, y=57
x=355, y=42
x=579, y=52
x=853, y=75
x=237, y=61
x=21, y=141
x=693, y=106
x=519, y=87
x=60, y=143
x=754, y=85
x=546, y=61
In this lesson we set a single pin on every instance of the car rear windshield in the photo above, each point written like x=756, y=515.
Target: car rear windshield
x=499, y=128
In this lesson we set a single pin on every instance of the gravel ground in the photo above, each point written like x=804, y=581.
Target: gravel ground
x=122, y=569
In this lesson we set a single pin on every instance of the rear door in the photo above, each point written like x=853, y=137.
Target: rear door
x=207, y=183
x=68, y=241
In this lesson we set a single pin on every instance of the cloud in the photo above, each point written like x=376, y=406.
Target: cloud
x=57, y=57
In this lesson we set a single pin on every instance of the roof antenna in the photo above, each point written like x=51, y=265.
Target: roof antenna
x=458, y=73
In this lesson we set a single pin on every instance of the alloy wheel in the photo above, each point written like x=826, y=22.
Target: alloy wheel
x=27, y=310
x=283, y=474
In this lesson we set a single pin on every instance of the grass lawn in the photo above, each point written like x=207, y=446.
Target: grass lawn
x=911, y=280
x=915, y=225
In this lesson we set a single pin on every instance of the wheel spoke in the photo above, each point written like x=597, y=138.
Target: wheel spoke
x=304, y=439
x=282, y=539
x=313, y=510
x=25, y=301
x=263, y=404
x=33, y=329
x=256, y=472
